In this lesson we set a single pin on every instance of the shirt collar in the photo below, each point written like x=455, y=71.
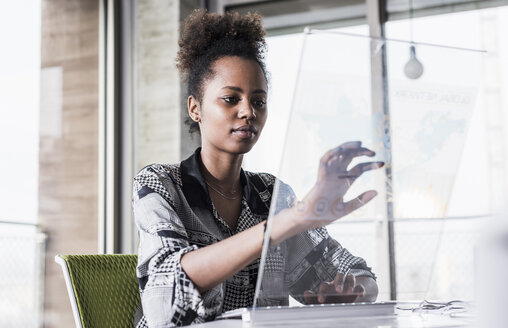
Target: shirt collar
x=196, y=192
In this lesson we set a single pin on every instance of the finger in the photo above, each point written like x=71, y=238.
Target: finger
x=359, y=291
x=335, y=152
x=345, y=157
x=349, y=284
x=360, y=151
x=321, y=294
x=360, y=168
x=310, y=297
x=326, y=289
x=344, y=148
x=351, y=145
x=359, y=201
x=329, y=154
x=338, y=282
x=344, y=154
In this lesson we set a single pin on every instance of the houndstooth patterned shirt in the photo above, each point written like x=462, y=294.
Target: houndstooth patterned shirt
x=174, y=215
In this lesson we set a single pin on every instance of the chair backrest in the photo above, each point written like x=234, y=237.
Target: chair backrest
x=103, y=289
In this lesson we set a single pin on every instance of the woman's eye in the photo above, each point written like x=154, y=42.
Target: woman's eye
x=231, y=100
x=259, y=103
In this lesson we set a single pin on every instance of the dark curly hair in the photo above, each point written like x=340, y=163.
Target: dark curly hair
x=208, y=37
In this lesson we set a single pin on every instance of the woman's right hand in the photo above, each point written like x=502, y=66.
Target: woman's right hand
x=325, y=201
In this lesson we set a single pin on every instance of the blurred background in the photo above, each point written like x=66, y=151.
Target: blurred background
x=89, y=94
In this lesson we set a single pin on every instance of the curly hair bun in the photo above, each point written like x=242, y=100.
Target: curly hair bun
x=214, y=35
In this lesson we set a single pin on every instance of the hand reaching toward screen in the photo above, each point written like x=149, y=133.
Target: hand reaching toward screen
x=345, y=288
x=325, y=202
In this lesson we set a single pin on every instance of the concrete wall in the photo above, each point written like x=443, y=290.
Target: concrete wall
x=188, y=142
x=160, y=104
x=157, y=103
x=68, y=142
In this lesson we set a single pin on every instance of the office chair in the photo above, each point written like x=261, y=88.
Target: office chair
x=103, y=289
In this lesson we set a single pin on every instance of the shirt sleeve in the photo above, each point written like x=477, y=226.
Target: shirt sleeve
x=168, y=296
x=314, y=257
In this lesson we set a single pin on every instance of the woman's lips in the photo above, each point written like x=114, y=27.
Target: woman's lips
x=245, y=132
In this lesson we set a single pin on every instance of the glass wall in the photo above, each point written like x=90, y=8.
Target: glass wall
x=438, y=254
x=433, y=243
x=21, y=244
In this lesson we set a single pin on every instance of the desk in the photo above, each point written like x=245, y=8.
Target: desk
x=402, y=318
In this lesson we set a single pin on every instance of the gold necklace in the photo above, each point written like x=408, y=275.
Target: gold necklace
x=232, y=197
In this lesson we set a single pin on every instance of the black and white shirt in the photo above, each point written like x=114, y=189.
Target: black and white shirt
x=174, y=215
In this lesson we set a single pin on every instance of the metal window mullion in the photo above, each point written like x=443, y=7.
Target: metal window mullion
x=376, y=18
x=101, y=194
x=108, y=128
x=128, y=236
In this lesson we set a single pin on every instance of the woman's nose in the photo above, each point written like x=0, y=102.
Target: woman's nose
x=246, y=111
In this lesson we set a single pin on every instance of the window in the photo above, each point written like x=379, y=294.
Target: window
x=434, y=256
x=20, y=245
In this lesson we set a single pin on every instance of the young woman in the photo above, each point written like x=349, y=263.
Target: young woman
x=202, y=221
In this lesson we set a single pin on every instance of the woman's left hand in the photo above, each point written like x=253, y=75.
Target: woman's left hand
x=343, y=289
x=325, y=201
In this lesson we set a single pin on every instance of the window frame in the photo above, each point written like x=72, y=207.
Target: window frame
x=376, y=13
x=117, y=144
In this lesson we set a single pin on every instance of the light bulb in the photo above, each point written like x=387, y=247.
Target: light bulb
x=413, y=68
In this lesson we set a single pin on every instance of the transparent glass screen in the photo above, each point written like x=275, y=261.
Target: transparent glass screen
x=365, y=148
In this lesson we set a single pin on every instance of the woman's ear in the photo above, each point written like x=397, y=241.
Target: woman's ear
x=194, y=109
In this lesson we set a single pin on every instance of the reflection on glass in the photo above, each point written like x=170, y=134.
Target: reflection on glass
x=21, y=246
x=344, y=124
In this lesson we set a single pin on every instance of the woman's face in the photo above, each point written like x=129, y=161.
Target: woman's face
x=233, y=110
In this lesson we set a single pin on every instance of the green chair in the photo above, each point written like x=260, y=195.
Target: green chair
x=103, y=289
